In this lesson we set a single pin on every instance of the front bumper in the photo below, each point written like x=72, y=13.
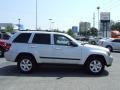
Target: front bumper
x=109, y=60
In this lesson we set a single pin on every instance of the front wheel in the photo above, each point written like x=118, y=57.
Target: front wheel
x=95, y=66
x=26, y=64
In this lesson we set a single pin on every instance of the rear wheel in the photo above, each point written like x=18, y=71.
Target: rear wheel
x=2, y=53
x=95, y=65
x=93, y=43
x=26, y=64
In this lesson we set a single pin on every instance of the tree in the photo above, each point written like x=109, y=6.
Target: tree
x=93, y=31
x=83, y=33
x=116, y=26
x=70, y=32
x=56, y=30
x=9, y=29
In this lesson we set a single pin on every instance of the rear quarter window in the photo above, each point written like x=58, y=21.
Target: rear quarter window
x=22, y=38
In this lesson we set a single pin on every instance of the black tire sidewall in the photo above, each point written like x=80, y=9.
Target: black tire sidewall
x=2, y=53
x=93, y=43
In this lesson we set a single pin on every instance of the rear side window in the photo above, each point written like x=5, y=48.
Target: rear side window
x=22, y=38
x=41, y=39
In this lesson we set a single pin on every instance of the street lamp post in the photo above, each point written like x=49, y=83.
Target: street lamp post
x=36, y=15
x=98, y=8
x=50, y=24
x=19, y=24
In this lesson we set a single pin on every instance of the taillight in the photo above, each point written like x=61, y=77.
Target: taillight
x=7, y=47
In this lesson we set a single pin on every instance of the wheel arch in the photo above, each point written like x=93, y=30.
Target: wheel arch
x=95, y=55
x=24, y=54
x=110, y=47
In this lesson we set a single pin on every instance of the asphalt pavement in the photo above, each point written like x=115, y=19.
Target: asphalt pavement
x=59, y=78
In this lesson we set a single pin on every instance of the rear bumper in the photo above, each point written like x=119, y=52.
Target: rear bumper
x=9, y=57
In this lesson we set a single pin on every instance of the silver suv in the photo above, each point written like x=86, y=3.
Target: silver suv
x=28, y=48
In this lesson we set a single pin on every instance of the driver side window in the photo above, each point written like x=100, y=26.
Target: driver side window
x=61, y=40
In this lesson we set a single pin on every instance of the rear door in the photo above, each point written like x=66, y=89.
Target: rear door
x=41, y=47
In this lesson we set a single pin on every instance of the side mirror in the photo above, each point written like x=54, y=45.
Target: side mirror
x=73, y=44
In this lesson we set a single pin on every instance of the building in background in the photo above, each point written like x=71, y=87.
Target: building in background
x=75, y=30
x=20, y=27
x=84, y=27
x=4, y=25
x=105, y=30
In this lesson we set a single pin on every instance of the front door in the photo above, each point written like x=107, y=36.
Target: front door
x=64, y=52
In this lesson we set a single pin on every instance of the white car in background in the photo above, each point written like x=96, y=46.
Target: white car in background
x=94, y=40
x=112, y=43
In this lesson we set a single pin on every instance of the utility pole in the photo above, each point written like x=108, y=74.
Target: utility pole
x=36, y=15
x=50, y=24
x=19, y=24
x=98, y=8
x=93, y=19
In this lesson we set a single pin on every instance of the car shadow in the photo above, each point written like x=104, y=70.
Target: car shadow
x=50, y=71
x=1, y=56
x=116, y=51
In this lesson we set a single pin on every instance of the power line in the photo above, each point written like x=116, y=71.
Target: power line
x=110, y=4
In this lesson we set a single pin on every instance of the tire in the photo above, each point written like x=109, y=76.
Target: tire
x=95, y=65
x=93, y=43
x=26, y=64
x=2, y=53
x=110, y=48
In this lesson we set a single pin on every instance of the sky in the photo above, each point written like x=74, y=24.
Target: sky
x=64, y=13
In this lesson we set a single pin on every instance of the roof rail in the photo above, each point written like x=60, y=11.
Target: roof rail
x=43, y=30
x=39, y=30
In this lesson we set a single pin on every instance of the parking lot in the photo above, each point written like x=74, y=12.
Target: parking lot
x=59, y=78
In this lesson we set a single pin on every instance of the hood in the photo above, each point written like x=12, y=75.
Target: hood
x=96, y=47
